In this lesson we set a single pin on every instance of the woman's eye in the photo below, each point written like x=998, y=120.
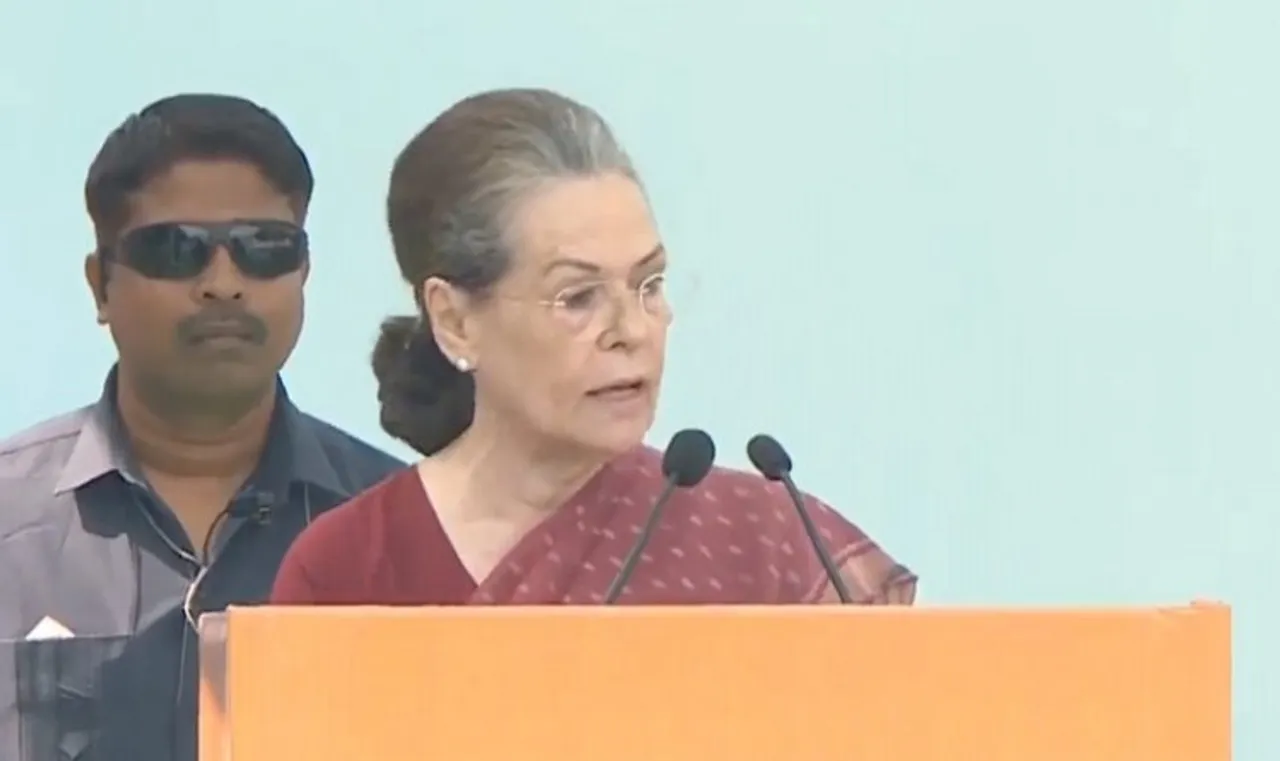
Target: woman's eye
x=580, y=298
x=654, y=285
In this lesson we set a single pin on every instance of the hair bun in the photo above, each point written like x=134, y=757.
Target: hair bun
x=426, y=402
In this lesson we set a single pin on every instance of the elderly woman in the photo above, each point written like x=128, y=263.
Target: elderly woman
x=528, y=380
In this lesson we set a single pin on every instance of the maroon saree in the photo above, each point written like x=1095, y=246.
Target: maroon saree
x=735, y=538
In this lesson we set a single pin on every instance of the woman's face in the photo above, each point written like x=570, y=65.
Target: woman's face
x=569, y=349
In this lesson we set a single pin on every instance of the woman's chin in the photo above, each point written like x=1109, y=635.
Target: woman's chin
x=615, y=438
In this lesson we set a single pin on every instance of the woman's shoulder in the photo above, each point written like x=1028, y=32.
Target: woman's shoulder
x=368, y=510
x=764, y=521
x=721, y=485
x=758, y=506
x=744, y=497
x=332, y=558
x=747, y=490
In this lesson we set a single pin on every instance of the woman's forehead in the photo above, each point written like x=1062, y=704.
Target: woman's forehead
x=600, y=265
x=597, y=222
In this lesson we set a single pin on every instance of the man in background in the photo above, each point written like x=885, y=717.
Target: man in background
x=179, y=490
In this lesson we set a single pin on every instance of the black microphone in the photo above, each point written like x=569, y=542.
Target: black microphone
x=685, y=463
x=258, y=508
x=773, y=462
x=266, y=503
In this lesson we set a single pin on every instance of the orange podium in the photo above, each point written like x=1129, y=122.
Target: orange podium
x=821, y=683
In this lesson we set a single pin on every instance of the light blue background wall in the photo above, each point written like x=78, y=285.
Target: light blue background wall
x=1003, y=274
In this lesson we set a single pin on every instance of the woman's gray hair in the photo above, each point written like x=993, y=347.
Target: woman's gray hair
x=454, y=190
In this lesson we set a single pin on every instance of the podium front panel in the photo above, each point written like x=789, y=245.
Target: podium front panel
x=822, y=683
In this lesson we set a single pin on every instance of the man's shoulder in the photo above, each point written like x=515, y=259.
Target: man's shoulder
x=31, y=461
x=358, y=463
x=54, y=435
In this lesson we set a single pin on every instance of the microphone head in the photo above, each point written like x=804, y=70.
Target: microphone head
x=688, y=457
x=768, y=457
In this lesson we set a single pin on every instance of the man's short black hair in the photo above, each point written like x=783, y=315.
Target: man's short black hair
x=185, y=127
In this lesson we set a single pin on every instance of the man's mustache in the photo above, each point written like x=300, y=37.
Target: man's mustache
x=212, y=322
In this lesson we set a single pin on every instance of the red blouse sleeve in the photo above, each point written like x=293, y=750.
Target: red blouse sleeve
x=294, y=584
x=329, y=562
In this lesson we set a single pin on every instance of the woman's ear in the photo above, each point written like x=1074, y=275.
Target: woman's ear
x=448, y=310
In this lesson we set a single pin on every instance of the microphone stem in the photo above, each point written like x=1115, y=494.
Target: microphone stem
x=633, y=557
x=829, y=565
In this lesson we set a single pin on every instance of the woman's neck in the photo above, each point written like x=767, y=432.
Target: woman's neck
x=496, y=474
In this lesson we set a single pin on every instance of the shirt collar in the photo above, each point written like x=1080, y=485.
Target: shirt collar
x=293, y=454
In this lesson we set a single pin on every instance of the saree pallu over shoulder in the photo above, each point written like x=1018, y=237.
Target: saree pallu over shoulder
x=734, y=538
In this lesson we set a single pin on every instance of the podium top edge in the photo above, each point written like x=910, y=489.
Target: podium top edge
x=706, y=611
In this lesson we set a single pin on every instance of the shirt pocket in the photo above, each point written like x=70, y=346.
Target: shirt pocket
x=62, y=707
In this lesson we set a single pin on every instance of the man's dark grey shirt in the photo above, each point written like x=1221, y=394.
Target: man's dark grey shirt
x=86, y=544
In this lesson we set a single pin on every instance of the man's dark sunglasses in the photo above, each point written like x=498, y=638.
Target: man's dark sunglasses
x=262, y=249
